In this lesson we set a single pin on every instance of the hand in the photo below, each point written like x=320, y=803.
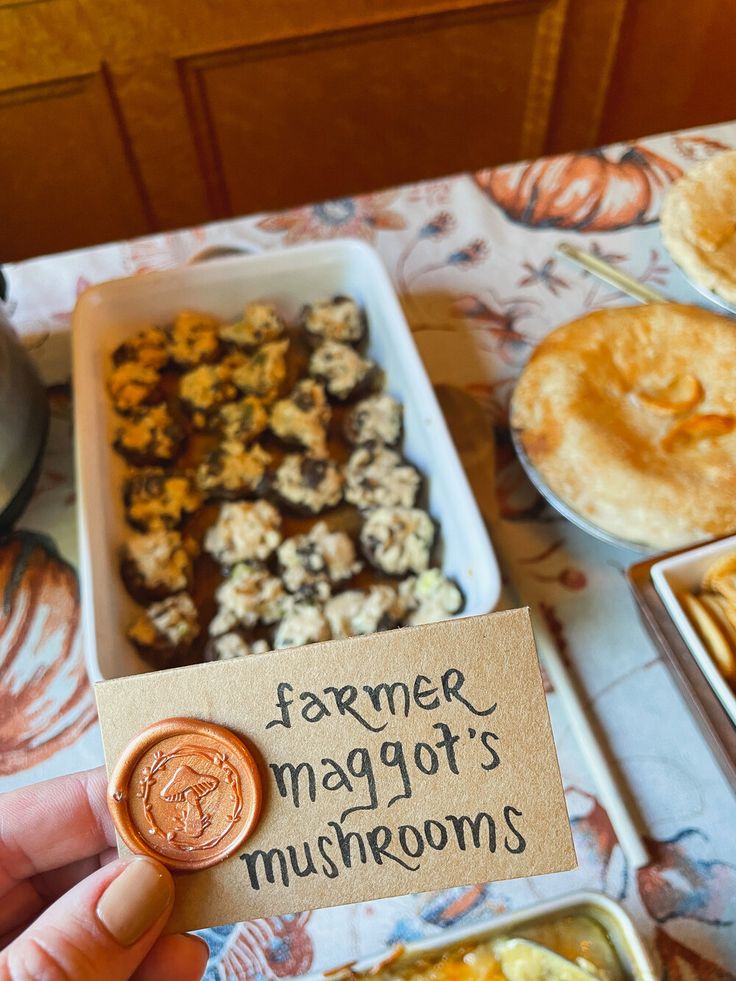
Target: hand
x=71, y=911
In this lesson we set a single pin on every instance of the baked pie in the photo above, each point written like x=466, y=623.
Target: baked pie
x=629, y=416
x=698, y=223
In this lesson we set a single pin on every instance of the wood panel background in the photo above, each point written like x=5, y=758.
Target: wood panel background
x=118, y=119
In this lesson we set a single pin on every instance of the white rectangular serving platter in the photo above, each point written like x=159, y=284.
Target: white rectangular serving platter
x=629, y=946
x=684, y=573
x=108, y=313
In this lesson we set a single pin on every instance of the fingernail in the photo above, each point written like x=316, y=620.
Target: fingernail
x=133, y=902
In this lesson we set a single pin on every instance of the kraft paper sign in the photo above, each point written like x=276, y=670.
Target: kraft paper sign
x=406, y=761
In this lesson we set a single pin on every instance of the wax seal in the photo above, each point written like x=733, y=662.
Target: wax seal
x=185, y=792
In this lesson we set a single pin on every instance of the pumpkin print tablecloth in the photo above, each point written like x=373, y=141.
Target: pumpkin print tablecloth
x=472, y=258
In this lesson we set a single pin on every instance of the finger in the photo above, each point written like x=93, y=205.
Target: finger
x=102, y=928
x=9, y=937
x=51, y=885
x=19, y=906
x=179, y=957
x=28, y=898
x=73, y=814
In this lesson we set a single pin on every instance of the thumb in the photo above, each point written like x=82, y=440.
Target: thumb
x=102, y=928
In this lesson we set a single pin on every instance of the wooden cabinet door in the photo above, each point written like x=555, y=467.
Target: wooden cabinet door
x=66, y=173
x=122, y=118
x=356, y=109
x=117, y=119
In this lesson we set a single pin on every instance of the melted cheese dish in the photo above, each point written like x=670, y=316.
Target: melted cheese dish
x=569, y=948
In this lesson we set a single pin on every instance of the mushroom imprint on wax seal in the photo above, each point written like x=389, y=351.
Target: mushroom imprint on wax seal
x=185, y=792
x=189, y=786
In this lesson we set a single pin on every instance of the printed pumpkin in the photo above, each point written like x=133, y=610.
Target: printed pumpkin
x=45, y=699
x=594, y=191
x=681, y=963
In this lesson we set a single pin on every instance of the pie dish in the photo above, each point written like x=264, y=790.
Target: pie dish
x=698, y=223
x=628, y=416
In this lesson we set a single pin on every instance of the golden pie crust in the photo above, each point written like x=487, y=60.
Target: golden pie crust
x=587, y=410
x=698, y=223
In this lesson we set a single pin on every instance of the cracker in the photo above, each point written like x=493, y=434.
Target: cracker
x=712, y=633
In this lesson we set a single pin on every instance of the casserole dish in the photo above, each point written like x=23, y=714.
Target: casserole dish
x=108, y=313
x=708, y=709
x=683, y=572
x=634, y=958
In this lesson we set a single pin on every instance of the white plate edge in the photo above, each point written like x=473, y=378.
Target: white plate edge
x=681, y=620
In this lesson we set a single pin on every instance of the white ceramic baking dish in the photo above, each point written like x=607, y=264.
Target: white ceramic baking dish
x=630, y=948
x=684, y=573
x=108, y=313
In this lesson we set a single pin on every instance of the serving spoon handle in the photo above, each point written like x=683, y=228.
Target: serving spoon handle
x=609, y=274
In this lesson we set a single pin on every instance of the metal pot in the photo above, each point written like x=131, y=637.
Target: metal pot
x=24, y=418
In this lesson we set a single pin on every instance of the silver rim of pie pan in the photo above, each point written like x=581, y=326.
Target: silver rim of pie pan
x=717, y=301
x=574, y=517
x=723, y=305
